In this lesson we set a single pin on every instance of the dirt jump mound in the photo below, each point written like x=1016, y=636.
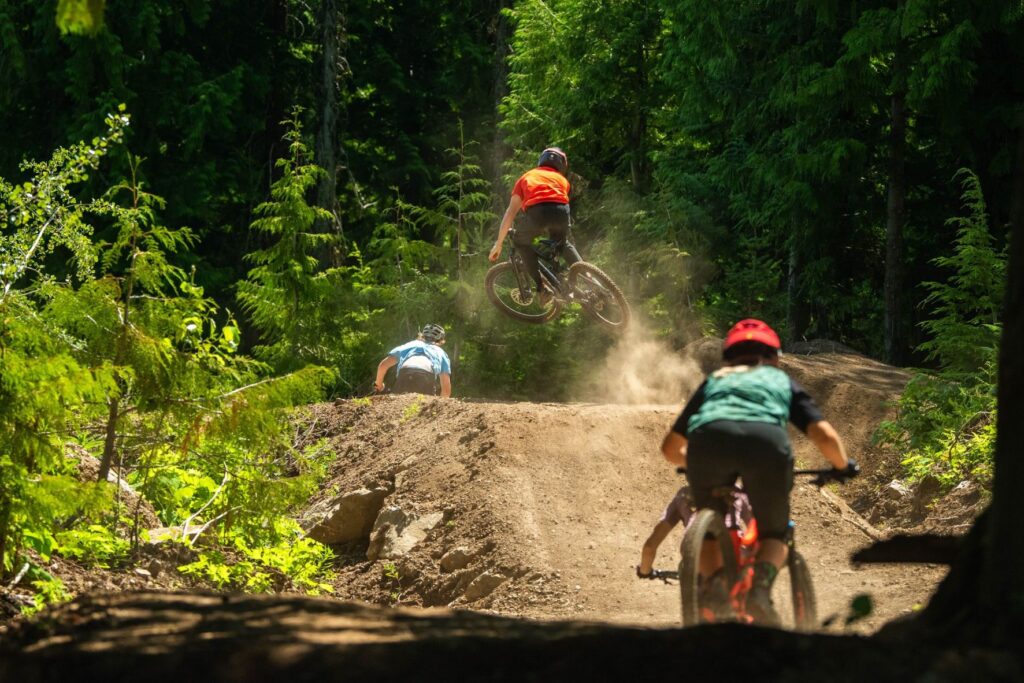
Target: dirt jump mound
x=539, y=510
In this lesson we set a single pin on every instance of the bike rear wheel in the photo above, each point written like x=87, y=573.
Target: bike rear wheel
x=706, y=523
x=805, y=605
x=599, y=296
x=502, y=286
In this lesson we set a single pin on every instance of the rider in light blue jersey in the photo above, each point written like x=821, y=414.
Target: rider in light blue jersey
x=422, y=365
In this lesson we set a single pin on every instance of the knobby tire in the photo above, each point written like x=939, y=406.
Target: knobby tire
x=805, y=606
x=579, y=275
x=507, y=270
x=705, y=523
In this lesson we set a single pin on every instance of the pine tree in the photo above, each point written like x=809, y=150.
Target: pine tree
x=286, y=286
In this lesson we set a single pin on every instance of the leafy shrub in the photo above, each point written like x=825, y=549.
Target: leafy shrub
x=946, y=419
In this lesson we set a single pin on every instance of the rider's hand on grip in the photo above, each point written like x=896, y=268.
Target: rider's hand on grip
x=643, y=576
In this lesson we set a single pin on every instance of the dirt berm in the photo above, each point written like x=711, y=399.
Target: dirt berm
x=539, y=510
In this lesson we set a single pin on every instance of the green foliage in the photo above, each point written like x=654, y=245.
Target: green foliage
x=42, y=384
x=946, y=421
x=49, y=590
x=80, y=16
x=965, y=330
x=292, y=563
x=138, y=349
x=95, y=545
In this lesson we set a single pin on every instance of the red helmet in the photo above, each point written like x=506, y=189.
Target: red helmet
x=751, y=330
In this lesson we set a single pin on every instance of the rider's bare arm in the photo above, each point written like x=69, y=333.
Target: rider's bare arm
x=825, y=437
x=446, y=385
x=650, y=549
x=673, y=447
x=382, y=369
x=514, y=204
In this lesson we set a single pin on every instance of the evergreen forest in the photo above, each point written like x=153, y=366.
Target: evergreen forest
x=215, y=212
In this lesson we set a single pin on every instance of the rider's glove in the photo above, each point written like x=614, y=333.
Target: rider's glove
x=852, y=468
x=639, y=575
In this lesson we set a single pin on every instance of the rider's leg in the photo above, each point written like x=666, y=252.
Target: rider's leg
x=708, y=467
x=767, y=471
x=556, y=220
x=523, y=239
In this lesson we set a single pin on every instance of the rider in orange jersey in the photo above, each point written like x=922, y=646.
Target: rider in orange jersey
x=542, y=194
x=735, y=426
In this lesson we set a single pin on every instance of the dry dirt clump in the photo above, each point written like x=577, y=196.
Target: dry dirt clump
x=539, y=510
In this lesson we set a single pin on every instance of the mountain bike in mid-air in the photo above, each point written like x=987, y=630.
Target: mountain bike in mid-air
x=511, y=289
x=739, y=547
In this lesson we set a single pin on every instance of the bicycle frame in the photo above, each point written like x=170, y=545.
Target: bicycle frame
x=545, y=265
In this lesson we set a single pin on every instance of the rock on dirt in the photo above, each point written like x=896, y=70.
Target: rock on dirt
x=897, y=490
x=455, y=559
x=396, y=532
x=483, y=585
x=349, y=517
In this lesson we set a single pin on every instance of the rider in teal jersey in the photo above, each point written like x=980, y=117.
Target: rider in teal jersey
x=735, y=426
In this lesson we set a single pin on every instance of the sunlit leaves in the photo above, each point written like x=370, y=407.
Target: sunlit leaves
x=80, y=16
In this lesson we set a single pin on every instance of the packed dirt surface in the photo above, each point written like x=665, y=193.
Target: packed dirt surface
x=540, y=510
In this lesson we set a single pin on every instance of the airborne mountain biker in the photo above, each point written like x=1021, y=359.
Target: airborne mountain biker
x=542, y=194
x=422, y=365
x=735, y=426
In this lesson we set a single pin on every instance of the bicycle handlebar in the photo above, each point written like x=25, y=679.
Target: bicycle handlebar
x=821, y=477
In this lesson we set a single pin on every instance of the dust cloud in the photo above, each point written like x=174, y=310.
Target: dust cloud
x=642, y=370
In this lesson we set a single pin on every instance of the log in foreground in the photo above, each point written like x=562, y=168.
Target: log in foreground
x=157, y=637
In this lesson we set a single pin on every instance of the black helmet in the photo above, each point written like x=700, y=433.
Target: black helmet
x=432, y=333
x=555, y=158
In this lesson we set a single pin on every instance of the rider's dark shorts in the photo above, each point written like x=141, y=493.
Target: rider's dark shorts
x=759, y=452
x=415, y=381
x=548, y=217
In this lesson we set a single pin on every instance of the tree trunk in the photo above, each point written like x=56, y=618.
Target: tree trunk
x=327, y=132
x=5, y=522
x=638, y=167
x=110, y=440
x=797, y=314
x=895, y=337
x=982, y=598
x=1004, y=560
x=499, y=150
x=277, y=112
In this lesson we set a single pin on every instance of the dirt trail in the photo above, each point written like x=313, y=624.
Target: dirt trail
x=553, y=501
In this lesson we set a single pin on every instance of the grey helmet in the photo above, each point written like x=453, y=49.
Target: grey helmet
x=554, y=157
x=432, y=333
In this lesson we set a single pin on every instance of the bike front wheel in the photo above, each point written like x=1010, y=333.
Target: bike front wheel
x=805, y=606
x=504, y=291
x=599, y=296
x=706, y=524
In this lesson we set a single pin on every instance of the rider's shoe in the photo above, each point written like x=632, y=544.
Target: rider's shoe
x=759, y=599
x=713, y=598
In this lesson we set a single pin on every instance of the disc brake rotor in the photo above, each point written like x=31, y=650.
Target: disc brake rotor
x=521, y=300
